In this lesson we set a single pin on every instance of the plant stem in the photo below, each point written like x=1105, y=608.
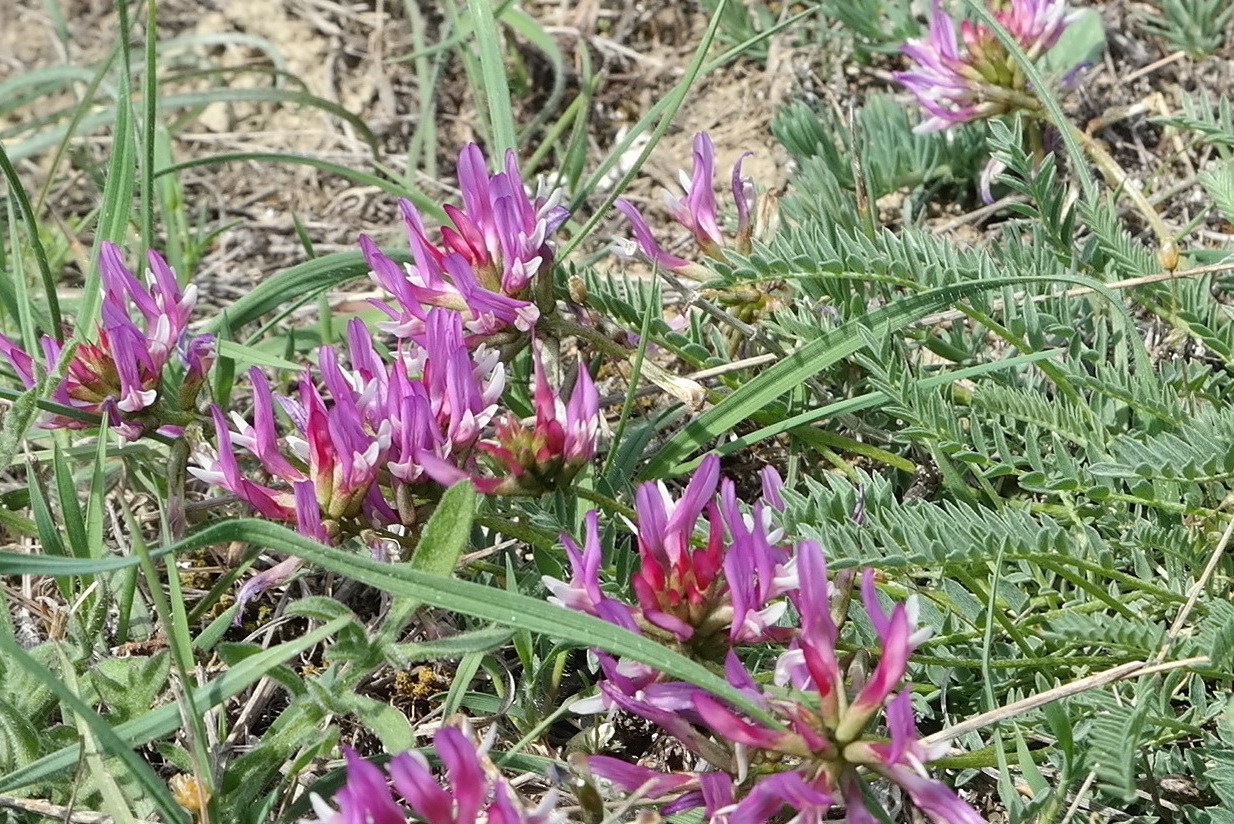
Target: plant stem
x=1119, y=178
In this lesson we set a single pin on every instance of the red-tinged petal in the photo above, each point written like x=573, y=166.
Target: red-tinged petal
x=818, y=632
x=887, y=676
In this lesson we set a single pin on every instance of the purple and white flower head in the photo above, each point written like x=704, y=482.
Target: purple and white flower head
x=498, y=243
x=958, y=84
x=710, y=575
x=535, y=456
x=471, y=790
x=119, y=376
x=834, y=730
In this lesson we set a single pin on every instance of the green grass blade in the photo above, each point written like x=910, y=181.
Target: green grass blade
x=47, y=138
x=114, y=800
x=833, y=346
x=191, y=100
x=534, y=33
x=666, y=109
x=110, y=740
x=166, y=719
x=464, y=597
x=422, y=201
x=149, y=125
x=1042, y=89
x=494, y=97
x=41, y=82
x=72, y=518
x=36, y=244
x=303, y=279
x=117, y=207
x=862, y=402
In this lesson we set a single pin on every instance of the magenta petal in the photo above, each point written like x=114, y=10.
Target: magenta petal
x=21, y=362
x=365, y=797
x=772, y=487
x=466, y=773
x=642, y=233
x=728, y=724
x=631, y=777
x=743, y=195
x=420, y=789
x=934, y=798
x=275, y=576
x=698, y=212
x=773, y=792
x=308, y=512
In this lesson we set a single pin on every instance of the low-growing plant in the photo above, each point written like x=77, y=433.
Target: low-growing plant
x=801, y=510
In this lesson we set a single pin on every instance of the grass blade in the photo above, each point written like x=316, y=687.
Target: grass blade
x=307, y=278
x=166, y=719
x=487, y=603
x=109, y=739
x=494, y=97
x=833, y=346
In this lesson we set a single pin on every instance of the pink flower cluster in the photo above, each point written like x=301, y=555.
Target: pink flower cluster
x=120, y=376
x=372, y=441
x=982, y=80
x=706, y=597
x=697, y=212
x=472, y=792
x=486, y=263
x=833, y=731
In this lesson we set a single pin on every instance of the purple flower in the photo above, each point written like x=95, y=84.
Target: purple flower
x=120, y=376
x=538, y=456
x=472, y=790
x=709, y=593
x=827, y=740
x=497, y=245
x=21, y=362
x=500, y=230
x=697, y=211
x=370, y=438
x=1035, y=24
x=941, y=81
x=982, y=80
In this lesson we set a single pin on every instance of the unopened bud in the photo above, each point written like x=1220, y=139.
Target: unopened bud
x=1167, y=255
x=578, y=290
